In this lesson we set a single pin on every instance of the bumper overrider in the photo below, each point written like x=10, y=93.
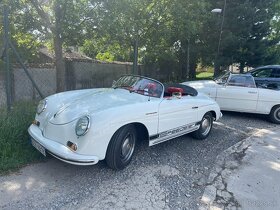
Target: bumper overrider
x=60, y=151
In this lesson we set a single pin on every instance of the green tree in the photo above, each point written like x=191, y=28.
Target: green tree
x=64, y=23
x=245, y=36
x=127, y=22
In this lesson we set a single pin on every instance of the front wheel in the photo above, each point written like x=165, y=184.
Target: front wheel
x=274, y=115
x=205, y=127
x=121, y=148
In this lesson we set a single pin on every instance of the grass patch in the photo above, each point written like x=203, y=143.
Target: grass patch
x=204, y=75
x=15, y=147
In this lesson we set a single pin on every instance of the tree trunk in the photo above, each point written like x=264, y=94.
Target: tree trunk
x=192, y=72
x=241, y=67
x=59, y=61
x=216, y=67
x=188, y=58
x=135, y=57
x=59, y=65
x=183, y=70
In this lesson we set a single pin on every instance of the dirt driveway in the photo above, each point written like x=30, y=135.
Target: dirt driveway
x=170, y=175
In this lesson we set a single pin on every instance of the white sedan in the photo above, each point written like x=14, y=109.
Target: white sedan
x=84, y=126
x=238, y=92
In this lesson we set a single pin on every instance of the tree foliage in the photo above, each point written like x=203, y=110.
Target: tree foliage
x=173, y=36
x=246, y=31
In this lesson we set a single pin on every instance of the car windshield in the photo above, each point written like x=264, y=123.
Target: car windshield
x=140, y=85
x=222, y=79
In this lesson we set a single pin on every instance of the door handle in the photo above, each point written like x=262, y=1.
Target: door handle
x=195, y=107
x=252, y=92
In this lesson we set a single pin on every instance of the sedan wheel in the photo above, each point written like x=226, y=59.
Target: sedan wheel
x=128, y=147
x=121, y=148
x=205, y=127
x=274, y=115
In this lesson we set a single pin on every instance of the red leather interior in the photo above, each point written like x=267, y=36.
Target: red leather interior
x=171, y=90
x=151, y=86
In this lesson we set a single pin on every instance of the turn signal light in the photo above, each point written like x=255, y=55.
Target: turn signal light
x=72, y=146
x=35, y=122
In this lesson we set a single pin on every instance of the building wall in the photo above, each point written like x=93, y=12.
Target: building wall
x=79, y=75
x=93, y=75
x=23, y=89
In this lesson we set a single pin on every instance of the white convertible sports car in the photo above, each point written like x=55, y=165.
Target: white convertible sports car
x=238, y=92
x=84, y=126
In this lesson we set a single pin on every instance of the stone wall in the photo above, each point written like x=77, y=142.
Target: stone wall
x=92, y=75
x=23, y=89
x=79, y=75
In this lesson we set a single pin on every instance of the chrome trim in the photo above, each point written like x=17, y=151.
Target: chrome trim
x=72, y=161
x=151, y=113
x=61, y=151
x=44, y=107
x=173, y=133
x=88, y=127
x=162, y=94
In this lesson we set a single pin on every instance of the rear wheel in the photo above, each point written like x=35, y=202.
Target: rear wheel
x=205, y=127
x=274, y=115
x=121, y=148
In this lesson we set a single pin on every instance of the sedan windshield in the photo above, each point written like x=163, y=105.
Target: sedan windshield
x=140, y=85
x=223, y=78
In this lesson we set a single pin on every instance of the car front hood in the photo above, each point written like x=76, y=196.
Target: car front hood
x=65, y=107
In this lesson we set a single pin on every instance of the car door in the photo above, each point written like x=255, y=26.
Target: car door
x=239, y=94
x=275, y=79
x=175, y=112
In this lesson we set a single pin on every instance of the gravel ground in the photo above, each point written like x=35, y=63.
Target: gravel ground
x=170, y=175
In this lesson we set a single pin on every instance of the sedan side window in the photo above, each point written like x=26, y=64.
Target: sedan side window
x=242, y=81
x=262, y=73
x=276, y=73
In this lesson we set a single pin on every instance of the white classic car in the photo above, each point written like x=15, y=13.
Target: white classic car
x=238, y=92
x=84, y=126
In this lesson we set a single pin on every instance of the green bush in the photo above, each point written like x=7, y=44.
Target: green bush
x=15, y=147
x=204, y=75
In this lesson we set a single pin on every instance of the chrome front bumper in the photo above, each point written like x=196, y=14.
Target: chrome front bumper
x=60, y=151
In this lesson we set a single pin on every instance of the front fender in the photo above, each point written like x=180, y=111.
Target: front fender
x=104, y=124
x=210, y=108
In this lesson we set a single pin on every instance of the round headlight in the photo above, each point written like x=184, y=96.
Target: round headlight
x=82, y=126
x=42, y=106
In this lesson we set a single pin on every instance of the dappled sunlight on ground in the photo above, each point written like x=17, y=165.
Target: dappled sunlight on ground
x=16, y=188
x=248, y=174
x=162, y=176
x=274, y=165
x=11, y=186
x=230, y=127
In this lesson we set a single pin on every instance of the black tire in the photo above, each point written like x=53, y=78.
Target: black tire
x=205, y=127
x=274, y=115
x=121, y=147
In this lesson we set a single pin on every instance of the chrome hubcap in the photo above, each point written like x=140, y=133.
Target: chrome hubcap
x=205, y=125
x=128, y=147
x=277, y=114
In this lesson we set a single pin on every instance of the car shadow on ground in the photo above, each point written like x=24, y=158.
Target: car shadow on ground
x=170, y=174
x=246, y=115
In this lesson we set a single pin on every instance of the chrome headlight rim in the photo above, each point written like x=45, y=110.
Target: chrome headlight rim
x=42, y=106
x=87, y=128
